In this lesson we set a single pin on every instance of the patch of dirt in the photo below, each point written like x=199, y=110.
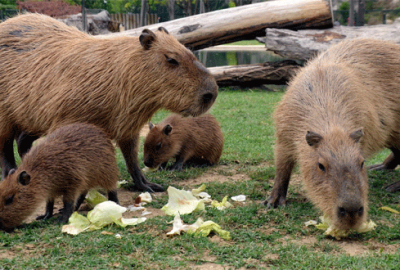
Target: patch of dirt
x=7, y=254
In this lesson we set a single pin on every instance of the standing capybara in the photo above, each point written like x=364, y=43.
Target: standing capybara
x=69, y=162
x=341, y=108
x=53, y=75
x=197, y=140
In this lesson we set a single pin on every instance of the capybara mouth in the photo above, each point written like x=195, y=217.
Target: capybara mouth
x=350, y=218
x=4, y=228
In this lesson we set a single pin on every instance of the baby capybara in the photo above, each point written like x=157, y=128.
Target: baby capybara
x=67, y=163
x=53, y=75
x=197, y=140
x=341, y=108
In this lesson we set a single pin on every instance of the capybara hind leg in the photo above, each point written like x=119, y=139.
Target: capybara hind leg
x=7, y=155
x=49, y=210
x=284, y=166
x=129, y=149
x=24, y=143
x=178, y=166
x=393, y=187
x=80, y=200
x=67, y=211
x=390, y=163
x=112, y=196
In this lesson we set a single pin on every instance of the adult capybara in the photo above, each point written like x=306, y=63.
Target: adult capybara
x=52, y=75
x=69, y=162
x=341, y=108
x=197, y=140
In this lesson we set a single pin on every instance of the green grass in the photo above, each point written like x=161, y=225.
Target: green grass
x=246, y=42
x=261, y=238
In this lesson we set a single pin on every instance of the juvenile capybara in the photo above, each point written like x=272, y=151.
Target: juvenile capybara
x=197, y=140
x=53, y=75
x=341, y=108
x=68, y=162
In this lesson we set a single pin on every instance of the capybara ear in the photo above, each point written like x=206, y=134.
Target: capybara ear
x=147, y=38
x=313, y=139
x=151, y=125
x=11, y=172
x=167, y=130
x=24, y=178
x=356, y=135
x=162, y=29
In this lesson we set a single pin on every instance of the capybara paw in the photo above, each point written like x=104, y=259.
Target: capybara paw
x=63, y=219
x=393, y=187
x=156, y=187
x=43, y=217
x=274, y=202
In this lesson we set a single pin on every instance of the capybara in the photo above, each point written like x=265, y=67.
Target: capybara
x=341, y=108
x=68, y=162
x=53, y=75
x=196, y=140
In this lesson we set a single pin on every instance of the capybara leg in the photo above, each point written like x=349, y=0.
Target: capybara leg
x=112, y=196
x=284, y=166
x=24, y=143
x=178, y=166
x=49, y=210
x=390, y=163
x=7, y=156
x=80, y=200
x=393, y=187
x=163, y=166
x=67, y=211
x=129, y=149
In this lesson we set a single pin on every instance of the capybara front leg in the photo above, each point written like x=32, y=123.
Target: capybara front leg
x=24, y=143
x=112, y=196
x=390, y=163
x=49, y=210
x=7, y=156
x=129, y=149
x=67, y=211
x=284, y=166
x=80, y=200
x=178, y=166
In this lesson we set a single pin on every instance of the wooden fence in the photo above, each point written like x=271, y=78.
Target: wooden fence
x=132, y=20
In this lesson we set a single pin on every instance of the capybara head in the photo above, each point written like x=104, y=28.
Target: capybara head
x=16, y=201
x=176, y=67
x=335, y=176
x=159, y=145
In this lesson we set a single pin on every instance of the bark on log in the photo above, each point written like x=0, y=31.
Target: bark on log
x=305, y=44
x=245, y=22
x=255, y=74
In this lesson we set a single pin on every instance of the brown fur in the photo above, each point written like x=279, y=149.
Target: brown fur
x=68, y=162
x=195, y=139
x=53, y=75
x=347, y=91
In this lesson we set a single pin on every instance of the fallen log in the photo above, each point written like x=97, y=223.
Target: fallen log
x=245, y=22
x=255, y=74
x=305, y=44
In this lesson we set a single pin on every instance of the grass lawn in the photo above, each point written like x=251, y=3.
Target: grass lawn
x=261, y=238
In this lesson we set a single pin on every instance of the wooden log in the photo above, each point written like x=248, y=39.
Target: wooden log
x=305, y=44
x=255, y=74
x=245, y=22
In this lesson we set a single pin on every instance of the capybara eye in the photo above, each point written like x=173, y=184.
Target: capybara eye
x=158, y=146
x=321, y=167
x=172, y=61
x=9, y=200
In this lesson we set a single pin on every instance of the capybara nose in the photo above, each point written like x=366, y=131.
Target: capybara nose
x=149, y=163
x=207, y=98
x=343, y=211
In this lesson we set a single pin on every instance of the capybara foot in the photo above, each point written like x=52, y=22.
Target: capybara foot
x=275, y=200
x=149, y=187
x=393, y=187
x=64, y=218
x=44, y=217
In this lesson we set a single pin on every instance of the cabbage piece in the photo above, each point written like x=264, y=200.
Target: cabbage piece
x=94, y=197
x=178, y=226
x=106, y=213
x=221, y=205
x=387, y=208
x=207, y=227
x=145, y=197
x=239, y=198
x=181, y=202
x=77, y=224
x=148, y=169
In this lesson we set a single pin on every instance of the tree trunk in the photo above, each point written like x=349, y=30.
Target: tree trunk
x=143, y=13
x=305, y=44
x=171, y=9
x=255, y=74
x=245, y=22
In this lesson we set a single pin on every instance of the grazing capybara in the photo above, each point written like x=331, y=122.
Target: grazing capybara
x=197, y=140
x=341, y=108
x=68, y=162
x=53, y=75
